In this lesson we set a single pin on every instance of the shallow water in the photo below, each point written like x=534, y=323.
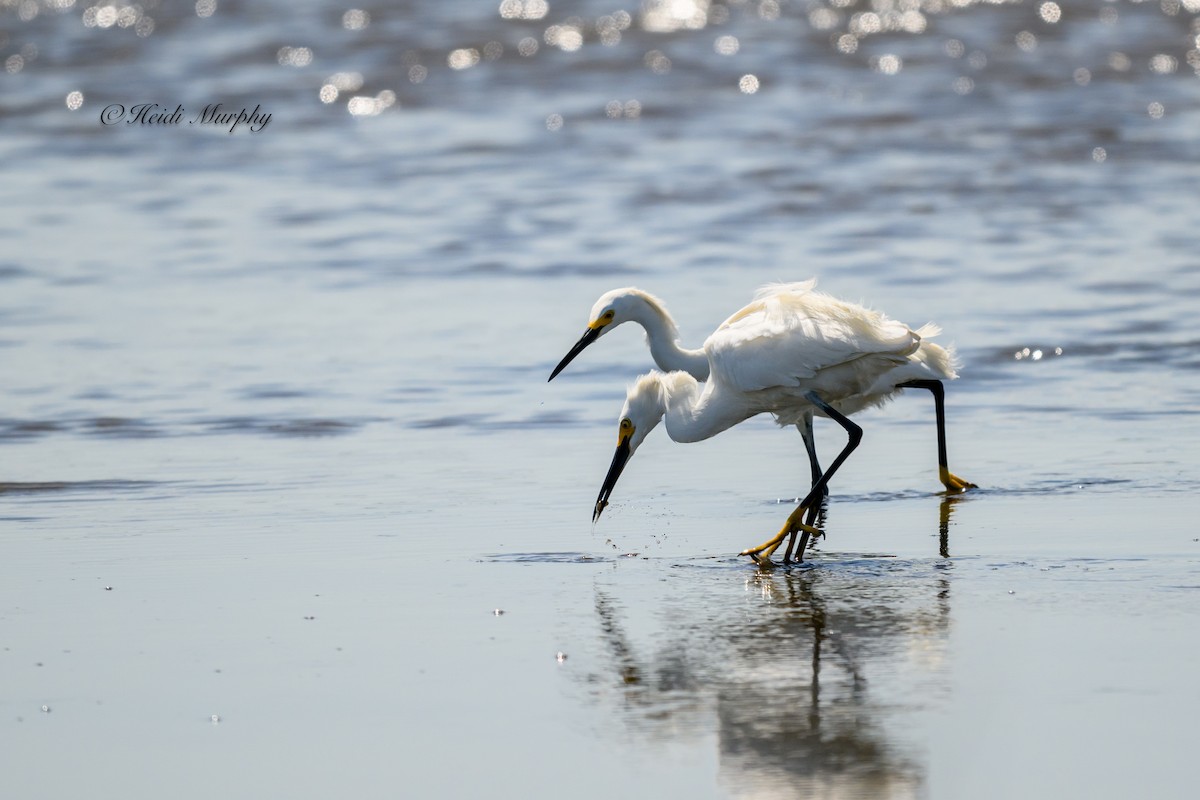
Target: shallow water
x=276, y=442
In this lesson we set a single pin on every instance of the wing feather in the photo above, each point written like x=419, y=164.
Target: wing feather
x=790, y=332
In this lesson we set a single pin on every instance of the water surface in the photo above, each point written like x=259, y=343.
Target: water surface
x=276, y=442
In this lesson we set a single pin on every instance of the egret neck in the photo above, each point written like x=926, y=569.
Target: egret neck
x=693, y=414
x=663, y=337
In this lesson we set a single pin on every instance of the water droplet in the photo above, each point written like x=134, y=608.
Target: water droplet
x=355, y=19
x=463, y=58
x=823, y=19
x=1164, y=64
x=291, y=56
x=45, y=709
x=889, y=64
x=560, y=656
x=215, y=719
x=657, y=61
x=1010, y=591
x=499, y=612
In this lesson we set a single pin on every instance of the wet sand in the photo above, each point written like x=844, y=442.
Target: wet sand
x=299, y=637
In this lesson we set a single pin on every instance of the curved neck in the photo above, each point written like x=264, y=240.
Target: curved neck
x=694, y=414
x=663, y=338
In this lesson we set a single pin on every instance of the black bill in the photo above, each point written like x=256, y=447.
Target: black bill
x=589, y=336
x=610, y=480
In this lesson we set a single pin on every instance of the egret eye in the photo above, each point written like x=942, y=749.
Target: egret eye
x=626, y=425
x=608, y=315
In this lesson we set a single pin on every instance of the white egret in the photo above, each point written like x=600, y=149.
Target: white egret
x=791, y=352
x=619, y=306
x=616, y=307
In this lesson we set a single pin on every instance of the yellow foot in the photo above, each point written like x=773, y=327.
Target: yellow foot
x=794, y=524
x=953, y=483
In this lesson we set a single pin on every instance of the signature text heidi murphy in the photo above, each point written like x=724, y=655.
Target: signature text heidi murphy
x=213, y=114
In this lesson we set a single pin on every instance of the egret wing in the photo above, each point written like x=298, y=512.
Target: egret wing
x=790, y=332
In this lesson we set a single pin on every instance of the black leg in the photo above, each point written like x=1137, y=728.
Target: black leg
x=952, y=482
x=810, y=444
x=811, y=521
x=854, y=434
x=795, y=519
x=805, y=427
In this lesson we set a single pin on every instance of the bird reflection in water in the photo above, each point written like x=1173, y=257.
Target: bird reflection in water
x=786, y=681
x=945, y=512
x=818, y=513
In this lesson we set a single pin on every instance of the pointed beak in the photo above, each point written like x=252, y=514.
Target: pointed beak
x=614, y=472
x=589, y=336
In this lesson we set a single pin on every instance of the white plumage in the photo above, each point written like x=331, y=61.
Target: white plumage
x=792, y=336
x=792, y=352
x=830, y=327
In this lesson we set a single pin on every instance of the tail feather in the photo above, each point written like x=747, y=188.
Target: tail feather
x=928, y=330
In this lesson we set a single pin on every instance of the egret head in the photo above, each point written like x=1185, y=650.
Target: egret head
x=612, y=309
x=644, y=408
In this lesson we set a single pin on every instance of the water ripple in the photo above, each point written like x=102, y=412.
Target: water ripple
x=548, y=558
x=55, y=487
x=127, y=428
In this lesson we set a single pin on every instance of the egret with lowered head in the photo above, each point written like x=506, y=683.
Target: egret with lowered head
x=791, y=352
